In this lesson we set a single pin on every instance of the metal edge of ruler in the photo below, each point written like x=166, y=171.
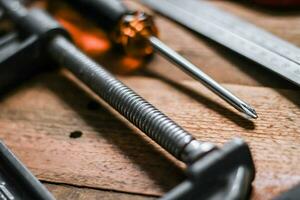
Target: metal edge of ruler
x=217, y=31
x=240, y=26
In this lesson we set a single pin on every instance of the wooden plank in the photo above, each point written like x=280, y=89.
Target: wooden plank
x=76, y=193
x=37, y=119
x=220, y=63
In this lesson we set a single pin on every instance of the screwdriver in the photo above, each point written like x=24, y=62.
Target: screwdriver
x=136, y=33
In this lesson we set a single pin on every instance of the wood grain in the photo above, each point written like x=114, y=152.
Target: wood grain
x=112, y=158
x=75, y=193
x=113, y=155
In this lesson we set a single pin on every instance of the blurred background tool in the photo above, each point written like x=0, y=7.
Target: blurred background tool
x=286, y=3
x=291, y=194
x=232, y=32
x=137, y=34
x=16, y=181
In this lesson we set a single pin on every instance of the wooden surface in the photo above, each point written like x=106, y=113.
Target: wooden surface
x=113, y=160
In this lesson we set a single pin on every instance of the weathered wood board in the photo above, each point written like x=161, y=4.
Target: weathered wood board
x=113, y=160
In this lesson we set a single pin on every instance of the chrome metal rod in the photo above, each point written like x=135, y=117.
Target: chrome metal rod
x=199, y=75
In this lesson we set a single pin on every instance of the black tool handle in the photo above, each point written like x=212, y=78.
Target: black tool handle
x=107, y=13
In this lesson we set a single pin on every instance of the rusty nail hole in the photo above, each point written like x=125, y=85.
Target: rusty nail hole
x=93, y=105
x=75, y=134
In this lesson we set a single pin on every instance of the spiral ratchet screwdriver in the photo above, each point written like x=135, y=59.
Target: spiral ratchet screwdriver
x=212, y=172
x=137, y=34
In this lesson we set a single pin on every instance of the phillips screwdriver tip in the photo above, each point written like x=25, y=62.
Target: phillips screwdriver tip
x=249, y=111
x=199, y=75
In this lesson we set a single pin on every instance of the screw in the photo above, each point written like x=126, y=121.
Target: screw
x=133, y=107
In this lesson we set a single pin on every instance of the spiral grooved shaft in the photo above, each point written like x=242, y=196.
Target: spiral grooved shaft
x=142, y=114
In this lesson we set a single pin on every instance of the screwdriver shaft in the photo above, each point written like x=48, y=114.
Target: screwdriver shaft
x=199, y=75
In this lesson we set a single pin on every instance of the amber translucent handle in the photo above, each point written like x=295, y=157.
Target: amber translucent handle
x=129, y=29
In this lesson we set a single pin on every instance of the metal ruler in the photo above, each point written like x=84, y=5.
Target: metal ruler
x=234, y=33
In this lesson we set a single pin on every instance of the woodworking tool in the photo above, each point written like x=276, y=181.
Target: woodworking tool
x=279, y=3
x=234, y=33
x=212, y=172
x=136, y=32
x=291, y=194
x=16, y=181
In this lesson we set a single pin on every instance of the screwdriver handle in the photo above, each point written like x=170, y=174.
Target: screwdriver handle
x=130, y=30
x=106, y=13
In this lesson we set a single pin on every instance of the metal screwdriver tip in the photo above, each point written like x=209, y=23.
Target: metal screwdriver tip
x=249, y=111
x=199, y=75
